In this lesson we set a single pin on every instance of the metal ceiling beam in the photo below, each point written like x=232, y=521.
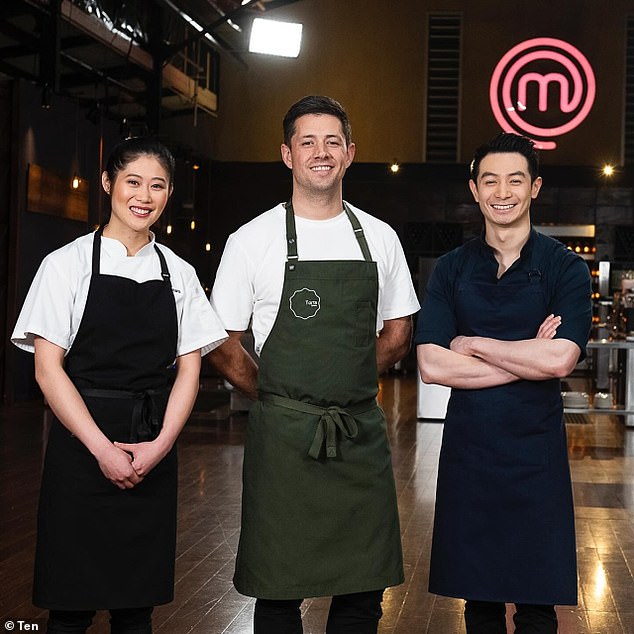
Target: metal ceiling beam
x=50, y=46
x=96, y=73
x=117, y=73
x=210, y=29
x=20, y=35
x=206, y=30
x=278, y=4
x=21, y=50
x=14, y=71
x=173, y=78
x=139, y=62
x=99, y=32
x=17, y=50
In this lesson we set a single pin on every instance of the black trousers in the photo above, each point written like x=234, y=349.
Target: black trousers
x=484, y=617
x=357, y=613
x=124, y=621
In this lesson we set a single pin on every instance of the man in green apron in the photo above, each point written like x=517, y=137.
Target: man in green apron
x=329, y=297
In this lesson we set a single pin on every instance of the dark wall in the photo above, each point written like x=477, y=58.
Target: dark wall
x=6, y=97
x=432, y=201
x=61, y=139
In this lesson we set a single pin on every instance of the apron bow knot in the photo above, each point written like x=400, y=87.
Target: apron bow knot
x=146, y=423
x=147, y=413
x=333, y=418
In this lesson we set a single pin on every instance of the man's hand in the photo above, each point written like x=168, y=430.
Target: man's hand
x=461, y=345
x=548, y=328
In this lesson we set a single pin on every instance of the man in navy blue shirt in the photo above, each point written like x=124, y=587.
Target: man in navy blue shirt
x=504, y=318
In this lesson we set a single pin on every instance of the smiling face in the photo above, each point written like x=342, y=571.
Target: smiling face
x=504, y=190
x=138, y=195
x=318, y=154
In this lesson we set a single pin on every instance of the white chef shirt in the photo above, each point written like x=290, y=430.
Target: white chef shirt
x=250, y=277
x=55, y=303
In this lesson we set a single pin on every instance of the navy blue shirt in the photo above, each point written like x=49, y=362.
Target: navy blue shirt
x=564, y=275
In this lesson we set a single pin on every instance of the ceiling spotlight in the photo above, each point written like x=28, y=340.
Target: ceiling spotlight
x=273, y=37
x=394, y=167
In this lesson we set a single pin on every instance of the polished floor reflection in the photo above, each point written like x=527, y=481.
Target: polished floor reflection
x=210, y=451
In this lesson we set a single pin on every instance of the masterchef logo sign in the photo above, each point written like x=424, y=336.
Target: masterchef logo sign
x=542, y=88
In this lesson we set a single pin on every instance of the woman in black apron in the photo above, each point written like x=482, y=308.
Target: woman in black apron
x=120, y=395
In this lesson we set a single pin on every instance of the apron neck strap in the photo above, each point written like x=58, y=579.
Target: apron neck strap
x=165, y=274
x=96, y=250
x=96, y=253
x=291, y=233
x=358, y=232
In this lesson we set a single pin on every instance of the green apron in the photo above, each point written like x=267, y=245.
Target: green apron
x=319, y=514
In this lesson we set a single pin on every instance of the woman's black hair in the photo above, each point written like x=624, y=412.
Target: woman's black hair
x=131, y=149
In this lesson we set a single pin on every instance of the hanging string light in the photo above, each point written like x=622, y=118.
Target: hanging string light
x=208, y=243
x=76, y=180
x=195, y=168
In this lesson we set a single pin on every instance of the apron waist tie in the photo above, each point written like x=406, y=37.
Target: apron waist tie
x=331, y=419
x=146, y=424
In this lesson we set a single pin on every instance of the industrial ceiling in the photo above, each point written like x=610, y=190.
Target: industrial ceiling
x=132, y=60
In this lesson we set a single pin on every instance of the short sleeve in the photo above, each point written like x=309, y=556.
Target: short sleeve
x=48, y=307
x=571, y=300
x=232, y=295
x=398, y=298
x=436, y=322
x=199, y=327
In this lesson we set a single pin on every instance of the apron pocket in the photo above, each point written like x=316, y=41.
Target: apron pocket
x=365, y=327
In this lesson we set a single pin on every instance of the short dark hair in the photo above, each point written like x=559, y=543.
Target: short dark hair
x=131, y=149
x=315, y=104
x=503, y=143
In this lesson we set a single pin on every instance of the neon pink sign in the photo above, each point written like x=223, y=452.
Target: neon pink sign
x=526, y=82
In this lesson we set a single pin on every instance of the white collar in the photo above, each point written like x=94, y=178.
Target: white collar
x=116, y=249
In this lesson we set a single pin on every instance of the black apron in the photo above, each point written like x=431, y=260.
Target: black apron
x=319, y=513
x=100, y=547
x=504, y=523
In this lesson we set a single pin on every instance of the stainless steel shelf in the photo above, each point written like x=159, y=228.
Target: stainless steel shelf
x=598, y=410
x=627, y=408
x=604, y=343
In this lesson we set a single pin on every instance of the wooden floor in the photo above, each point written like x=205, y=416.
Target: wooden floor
x=602, y=461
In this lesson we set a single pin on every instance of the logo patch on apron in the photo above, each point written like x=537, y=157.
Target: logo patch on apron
x=305, y=303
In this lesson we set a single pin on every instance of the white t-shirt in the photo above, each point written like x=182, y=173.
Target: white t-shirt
x=55, y=303
x=248, y=285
